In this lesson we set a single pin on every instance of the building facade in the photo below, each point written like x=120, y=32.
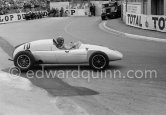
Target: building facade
x=150, y=7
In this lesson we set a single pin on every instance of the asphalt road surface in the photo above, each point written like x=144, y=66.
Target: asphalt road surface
x=126, y=87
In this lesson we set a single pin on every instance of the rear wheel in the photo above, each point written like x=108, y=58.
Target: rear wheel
x=24, y=60
x=99, y=61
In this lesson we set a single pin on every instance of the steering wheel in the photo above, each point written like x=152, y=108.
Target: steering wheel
x=75, y=45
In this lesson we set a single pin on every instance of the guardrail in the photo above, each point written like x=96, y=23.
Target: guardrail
x=150, y=22
x=16, y=17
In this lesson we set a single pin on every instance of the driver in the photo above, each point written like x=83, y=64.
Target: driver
x=59, y=42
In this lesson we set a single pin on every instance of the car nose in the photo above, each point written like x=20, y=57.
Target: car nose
x=119, y=55
x=115, y=55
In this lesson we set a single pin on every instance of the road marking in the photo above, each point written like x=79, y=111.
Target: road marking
x=58, y=18
x=106, y=28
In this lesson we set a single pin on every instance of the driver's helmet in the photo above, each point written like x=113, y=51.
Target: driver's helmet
x=59, y=41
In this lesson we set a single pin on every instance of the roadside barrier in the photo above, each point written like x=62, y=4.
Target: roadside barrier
x=8, y=18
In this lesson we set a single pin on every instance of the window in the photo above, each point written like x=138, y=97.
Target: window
x=145, y=6
x=157, y=7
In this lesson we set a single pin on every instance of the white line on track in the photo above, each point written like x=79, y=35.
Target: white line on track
x=107, y=29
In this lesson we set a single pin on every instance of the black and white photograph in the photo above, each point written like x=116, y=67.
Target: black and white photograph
x=82, y=57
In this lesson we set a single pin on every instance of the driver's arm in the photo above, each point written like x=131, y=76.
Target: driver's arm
x=69, y=47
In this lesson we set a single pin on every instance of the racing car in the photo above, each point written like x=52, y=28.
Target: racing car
x=27, y=55
x=110, y=10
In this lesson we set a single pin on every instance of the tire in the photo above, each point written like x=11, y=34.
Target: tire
x=98, y=61
x=103, y=18
x=24, y=60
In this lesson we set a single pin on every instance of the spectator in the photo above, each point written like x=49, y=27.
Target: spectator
x=116, y=5
x=61, y=12
x=91, y=10
x=94, y=10
x=57, y=12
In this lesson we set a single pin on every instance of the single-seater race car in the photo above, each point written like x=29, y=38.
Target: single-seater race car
x=27, y=55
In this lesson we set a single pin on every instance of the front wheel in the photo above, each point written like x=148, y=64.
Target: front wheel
x=99, y=61
x=24, y=60
x=103, y=17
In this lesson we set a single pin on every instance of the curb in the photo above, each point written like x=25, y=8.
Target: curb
x=133, y=35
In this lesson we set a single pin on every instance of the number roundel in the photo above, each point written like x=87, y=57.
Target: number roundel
x=27, y=46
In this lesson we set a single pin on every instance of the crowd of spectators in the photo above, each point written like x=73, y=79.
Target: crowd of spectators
x=90, y=9
x=35, y=15
x=17, y=6
x=79, y=5
x=55, y=12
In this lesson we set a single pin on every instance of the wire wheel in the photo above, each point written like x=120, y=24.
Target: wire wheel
x=23, y=61
x=99, y=61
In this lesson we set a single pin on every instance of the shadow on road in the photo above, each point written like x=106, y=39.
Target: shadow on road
x=6, y=46
x=56, y=86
